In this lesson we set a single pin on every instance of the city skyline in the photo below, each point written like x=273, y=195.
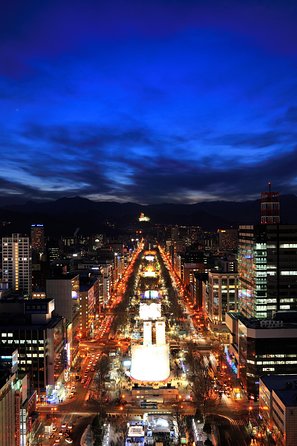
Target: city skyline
x=150, y=102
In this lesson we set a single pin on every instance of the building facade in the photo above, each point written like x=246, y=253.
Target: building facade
x=40, y=338
x=267, y=269
x=278, y=407
x=262, y=347
x=88, y=306
x=16, y=263
x=222, y=296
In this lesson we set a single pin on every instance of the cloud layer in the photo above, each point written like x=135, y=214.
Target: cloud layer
x=148, y=101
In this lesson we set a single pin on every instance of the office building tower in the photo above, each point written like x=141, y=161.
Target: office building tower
x=227, y=239
x=267, y=269
x=16, y=263
x=262, y=347
x=37, y=238
x=270, y=207
x=278, y=407
x=17, y=401
x=88, y=305
x=65, y=290
x=222, y=297
x=30, y=326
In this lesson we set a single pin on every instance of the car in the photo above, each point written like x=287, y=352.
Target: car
x=57, y=440
x=63, y=425
x=68, y=440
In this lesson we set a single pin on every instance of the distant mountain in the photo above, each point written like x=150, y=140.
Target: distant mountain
x=66, y=214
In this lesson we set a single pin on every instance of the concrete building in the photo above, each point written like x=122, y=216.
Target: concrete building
x=278, y=407
x=267, y=269
x=16, y=263
x=227, y=239
x=64, y=289
x=37, y=238
x=17, y=401
x=88, y=305
x=40, y=338
x=222, y=297
x=262, y=347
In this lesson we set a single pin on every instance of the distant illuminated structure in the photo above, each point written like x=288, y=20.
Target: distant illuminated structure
x=37, y=238
x=270, y=207
x=16, y=263
x=143, y=218
x=151, y=294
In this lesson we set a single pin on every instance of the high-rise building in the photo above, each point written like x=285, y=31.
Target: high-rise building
x=31, y=326
x=37, y=238
x=267, y=269
x=222, y=296
x=228, y=239
x=16, y=263
x=278, y=407
x=270, y=207
x=17, y=401
x=65, y=290
x=262, y=347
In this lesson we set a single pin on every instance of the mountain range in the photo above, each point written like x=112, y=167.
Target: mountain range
x=64, y=215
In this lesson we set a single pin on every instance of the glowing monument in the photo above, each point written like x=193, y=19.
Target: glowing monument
x=147, y=333
x=160, y=333
x=150, y=362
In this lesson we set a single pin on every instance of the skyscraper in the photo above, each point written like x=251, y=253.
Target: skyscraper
x=16, y=263
x=267, y=269
x=37, y=238
x=270, y=208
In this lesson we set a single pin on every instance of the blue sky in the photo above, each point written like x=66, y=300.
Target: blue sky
x=148, y=101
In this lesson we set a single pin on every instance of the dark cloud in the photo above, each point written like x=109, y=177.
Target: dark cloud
x=148, y=101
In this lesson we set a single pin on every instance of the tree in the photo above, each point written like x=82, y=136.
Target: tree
x=200, y=379
x=102, y=370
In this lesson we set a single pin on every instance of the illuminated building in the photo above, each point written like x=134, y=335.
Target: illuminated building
x=31, y=327
x=267, y=269
x=143, y=218
x=9, y=403
x=222, y=296
x=262, y=347
x=88, y=299
x=17, y=402
x=16, y=263
x=278, y=407
x=106, y=283
x=227, y=239
x=37, y=238
x=65, y=290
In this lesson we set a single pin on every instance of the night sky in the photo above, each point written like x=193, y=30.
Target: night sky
x=148, y=100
